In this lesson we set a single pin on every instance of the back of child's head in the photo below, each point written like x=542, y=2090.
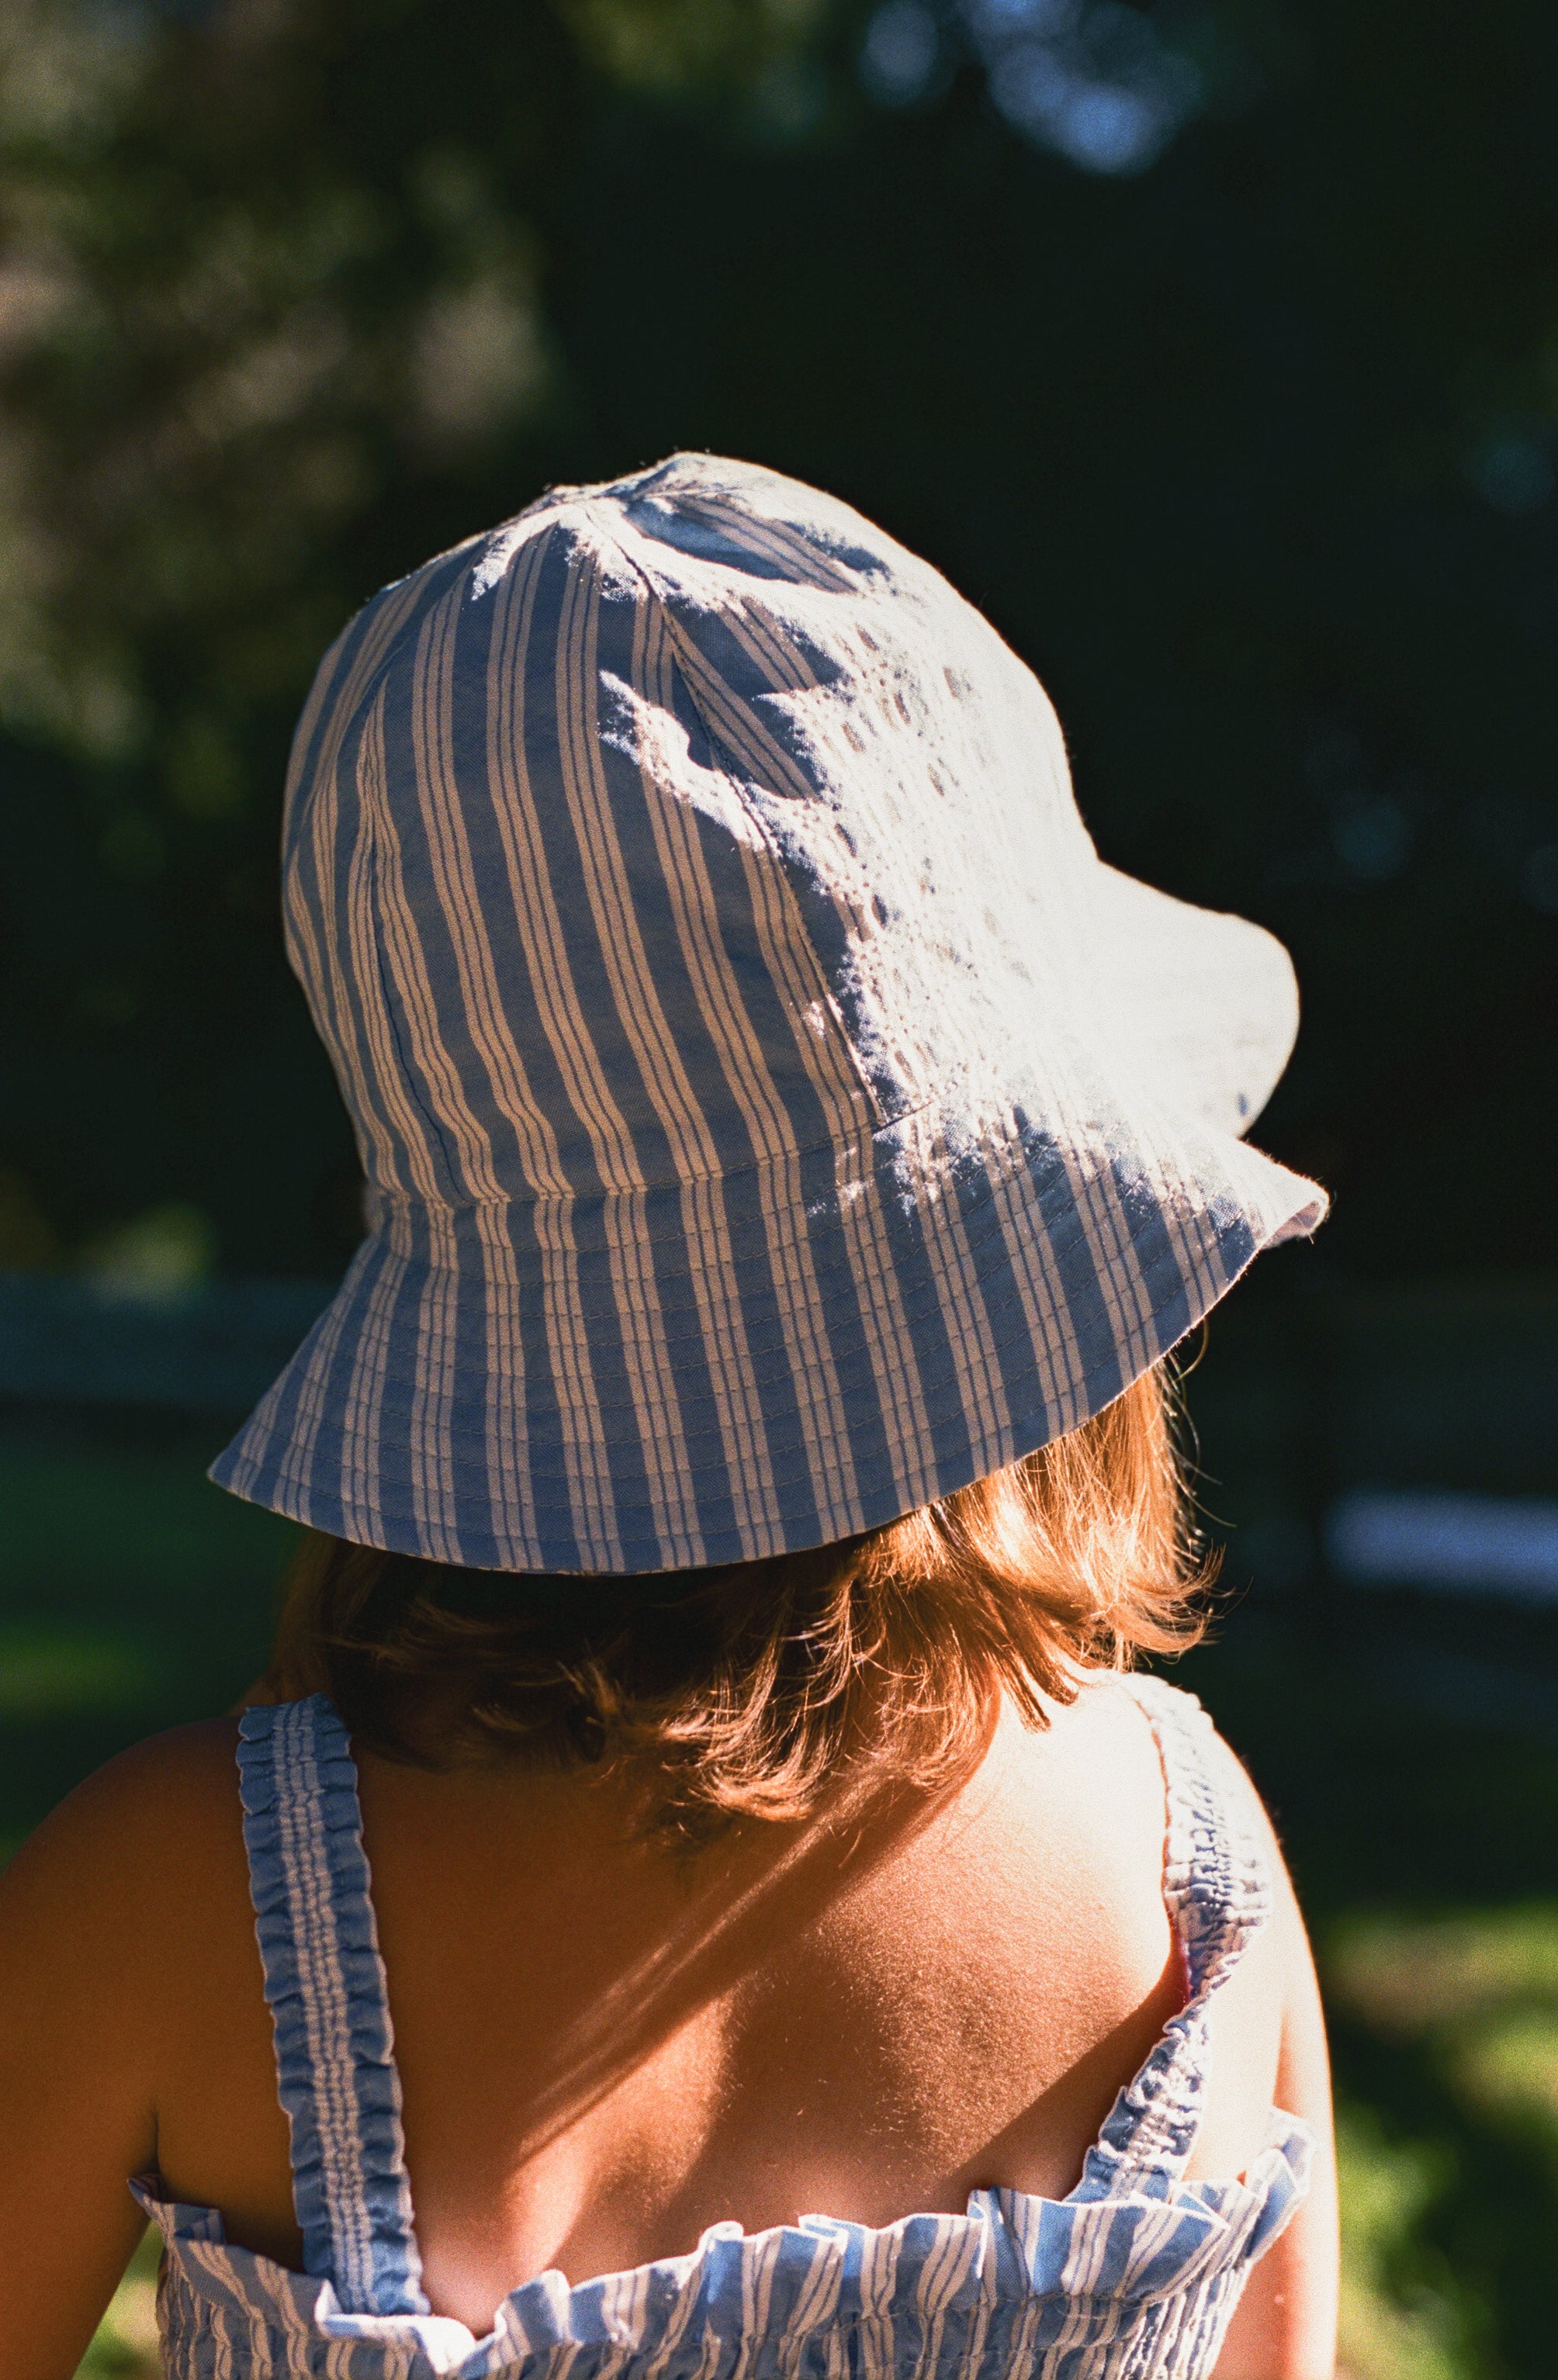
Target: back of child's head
x=791, y=1156
x=752, y=1688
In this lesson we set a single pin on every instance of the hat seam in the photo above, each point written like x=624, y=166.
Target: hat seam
x=908, y=1303
x=571, y=1198
x=998, y=1137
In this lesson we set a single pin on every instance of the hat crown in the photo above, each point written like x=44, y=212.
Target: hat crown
x=684, y=781
x=776, y=1115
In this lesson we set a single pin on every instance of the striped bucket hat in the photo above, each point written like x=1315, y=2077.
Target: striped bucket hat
x=774, y=1113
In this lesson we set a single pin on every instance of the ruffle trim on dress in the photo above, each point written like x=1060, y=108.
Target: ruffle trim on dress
x=933, y=2292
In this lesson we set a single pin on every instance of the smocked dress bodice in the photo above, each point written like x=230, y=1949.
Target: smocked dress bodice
x=1132, y=2277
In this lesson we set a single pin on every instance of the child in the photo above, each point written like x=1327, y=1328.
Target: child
x=737, y=1486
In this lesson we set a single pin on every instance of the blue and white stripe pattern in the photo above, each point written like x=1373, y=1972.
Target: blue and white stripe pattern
x=313, y=1913
x=1133, y=2276
x=774, y=1114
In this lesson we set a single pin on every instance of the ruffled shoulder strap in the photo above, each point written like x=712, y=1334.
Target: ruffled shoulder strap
x=325, y=1982
x=1218, y=1890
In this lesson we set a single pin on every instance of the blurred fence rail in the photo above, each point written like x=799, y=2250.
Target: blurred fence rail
x=208, y=1349
x=1407, y=1396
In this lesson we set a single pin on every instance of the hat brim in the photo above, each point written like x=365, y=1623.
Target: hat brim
x=781, y=1357
x=1201, y=1004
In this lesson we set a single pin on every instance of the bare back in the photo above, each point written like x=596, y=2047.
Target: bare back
x=606, y=2045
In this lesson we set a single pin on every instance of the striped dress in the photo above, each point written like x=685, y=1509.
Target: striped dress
x=1133, y=2276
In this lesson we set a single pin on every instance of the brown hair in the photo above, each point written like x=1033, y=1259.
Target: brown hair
x=742, y=1689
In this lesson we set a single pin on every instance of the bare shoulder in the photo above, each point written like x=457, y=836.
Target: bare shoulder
x=117, y=1909
x=1285, y=2326
x=1286, y=1936
x=140, y=1829
x=1303, y=2081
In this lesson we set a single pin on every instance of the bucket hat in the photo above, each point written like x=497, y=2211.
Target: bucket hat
x=774, y=1114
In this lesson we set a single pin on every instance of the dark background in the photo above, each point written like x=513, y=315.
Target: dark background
x=1248, y=452
x=1212, y=349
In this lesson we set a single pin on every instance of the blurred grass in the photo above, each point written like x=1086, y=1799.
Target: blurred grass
x=1395, y=2325
x=1421, y=1830
x=125, y=2345
x=1474, y=1993
x=1421, y=1822
x=133, y=1593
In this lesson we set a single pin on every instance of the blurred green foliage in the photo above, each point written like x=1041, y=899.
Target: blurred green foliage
x=272, y=323
x=272, y=300
x=1251, y=452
